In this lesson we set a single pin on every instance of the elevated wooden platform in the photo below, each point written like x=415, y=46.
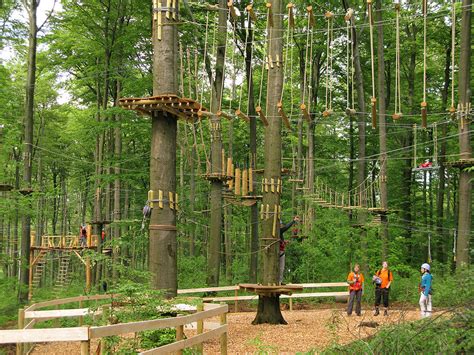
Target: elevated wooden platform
x=180, y=107
x=217, y=177
x=462, y=163
x=270, y=290
x=5, y=187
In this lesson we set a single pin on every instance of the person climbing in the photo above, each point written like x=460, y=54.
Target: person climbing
x=83, y=237
x=355, y=279
x=426, y=290
x=283, y=242
x=383, y=279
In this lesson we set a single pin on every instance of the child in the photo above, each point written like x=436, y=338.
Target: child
x=425, y=291
x=355, y=280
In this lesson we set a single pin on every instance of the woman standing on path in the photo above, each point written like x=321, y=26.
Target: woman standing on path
x=425, y=291
x=355, y=279
x=383, y=279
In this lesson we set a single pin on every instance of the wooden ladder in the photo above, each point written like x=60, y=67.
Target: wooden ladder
x=63, y=277
x=39, y=269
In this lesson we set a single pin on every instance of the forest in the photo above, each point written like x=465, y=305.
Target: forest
x=151, y=147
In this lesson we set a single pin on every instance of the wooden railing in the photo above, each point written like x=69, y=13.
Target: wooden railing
x=25, y=336
x=63, y=241
x=236, y=297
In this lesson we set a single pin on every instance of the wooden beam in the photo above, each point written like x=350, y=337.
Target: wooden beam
x=283, y=116
x=304, y=110
x=44, y=335
x=262, y=116
x=241, y=115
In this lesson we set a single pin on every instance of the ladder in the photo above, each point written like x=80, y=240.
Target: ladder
x=63, y=277
x=39, y=269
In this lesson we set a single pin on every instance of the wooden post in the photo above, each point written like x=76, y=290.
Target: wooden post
x=200, y=326
x=85, y=347
x=81, y=318
x=291, y=303
x=236, y=301
x=179, y=336
x=30, y=276
x=88, y=274
x=223, y=339
x=245, y=184
x=21, y=325
x=237, y=181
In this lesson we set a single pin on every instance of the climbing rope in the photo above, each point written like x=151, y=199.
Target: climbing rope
x=329, y=17
x=310, y=81
x=245, y=63
x=372, y=64
x=398, y=104
x=349, y=64
x=306, y=55
x=233, y=64
x=219, y=107
x=181, y=71
x=204, y=60
x=423, y=103
x=265, y=62
x=435, y=144
x=285, y=54
x=452, y=109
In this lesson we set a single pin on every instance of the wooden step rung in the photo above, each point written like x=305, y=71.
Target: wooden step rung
x=283, y=115
x=304, y=111
x=241, y=115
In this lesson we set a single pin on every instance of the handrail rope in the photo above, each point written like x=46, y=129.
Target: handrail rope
x=285, y=56
x=265, y=61
x=233, y=63
x=204, y=60
x=219, y=107
x=310, y=80
x=453, y=48
x=372, y=64
x=245, y=61
x=306, y=57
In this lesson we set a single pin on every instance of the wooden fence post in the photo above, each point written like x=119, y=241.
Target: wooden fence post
x=179, y=336
x=21, y=325
x=81, y=318
x=223, y=339
x=200, y=327
x=236, y=302
x=85, y=347
x=291, y=303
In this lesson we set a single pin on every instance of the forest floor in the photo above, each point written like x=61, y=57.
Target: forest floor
x=307, y=330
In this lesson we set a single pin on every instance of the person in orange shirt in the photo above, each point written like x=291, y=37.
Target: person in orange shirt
x=355, y=279
x=383, y=279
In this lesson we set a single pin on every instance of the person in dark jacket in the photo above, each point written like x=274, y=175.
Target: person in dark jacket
x=283, y=242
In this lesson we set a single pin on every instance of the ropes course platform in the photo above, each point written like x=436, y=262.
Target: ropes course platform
x=462, y=163
x=270, y=290
x=184, y=108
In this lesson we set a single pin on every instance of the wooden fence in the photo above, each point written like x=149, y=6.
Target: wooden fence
x=25, y=337
x=236, y=297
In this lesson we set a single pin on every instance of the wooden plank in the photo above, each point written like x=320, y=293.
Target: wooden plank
x=68, y=300
x=325, y=284
x=43, y=335
x=186, y=343
x=60, y=313
x=316, y=294
x=208, y=289
x=133, y=327
x=230, y=298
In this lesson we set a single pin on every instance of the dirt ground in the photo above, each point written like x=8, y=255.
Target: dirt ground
x=306, y=330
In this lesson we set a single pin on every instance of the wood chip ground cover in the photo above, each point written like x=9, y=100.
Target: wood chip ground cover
x=306, y=330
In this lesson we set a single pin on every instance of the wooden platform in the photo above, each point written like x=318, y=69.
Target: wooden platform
x=269, y=290
x=180, y=107
x=5, y=187
x=462, y=163
x=217, y=177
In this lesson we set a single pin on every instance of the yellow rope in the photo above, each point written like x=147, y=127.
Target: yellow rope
x=372, y=60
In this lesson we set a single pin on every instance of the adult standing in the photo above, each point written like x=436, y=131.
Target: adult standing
x=283, y=242
x=383, y=279
x=355, y=279
x=425, y=290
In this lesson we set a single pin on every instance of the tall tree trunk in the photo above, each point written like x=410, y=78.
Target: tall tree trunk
x=31, y=7
x=254, y=241
x=465, y=183
x=163, y=246
x=269, y=306
x=361, y=124
x=213, y=264
x=382, y=128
